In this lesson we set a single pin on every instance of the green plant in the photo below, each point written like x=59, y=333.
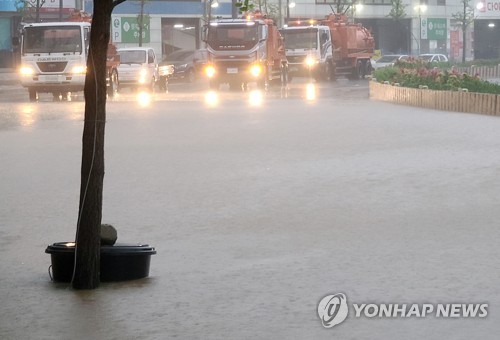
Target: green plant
x=416, y=73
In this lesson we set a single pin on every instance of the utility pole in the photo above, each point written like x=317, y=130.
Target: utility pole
x=141, y=23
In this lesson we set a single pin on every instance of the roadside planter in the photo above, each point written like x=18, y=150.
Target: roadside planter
x=119, y=262
x=458, y=101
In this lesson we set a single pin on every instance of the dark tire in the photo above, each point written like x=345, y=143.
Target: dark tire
x=328, y=72
x=284, y=76
x=65, y=96
x=263, y=83
x=163, y=84
x=33, y=95
x=190, y=78
x=56, y=96
x=112, y=89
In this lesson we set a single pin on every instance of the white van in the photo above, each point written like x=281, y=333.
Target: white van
x=138, y=68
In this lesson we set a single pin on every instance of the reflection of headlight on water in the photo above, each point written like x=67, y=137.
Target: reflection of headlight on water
x=27, y=115
x=255, y=98
x=211, y=98
x=310, y=92
x=144, y=99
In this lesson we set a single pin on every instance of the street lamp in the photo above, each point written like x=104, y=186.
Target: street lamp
x=288, y=6
x=421, y=8
x=209, y=4
x=356, y=7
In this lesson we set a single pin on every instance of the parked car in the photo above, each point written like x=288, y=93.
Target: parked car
x=388, y=60
x=431, y=58
x=187, y=64
x=138, y=68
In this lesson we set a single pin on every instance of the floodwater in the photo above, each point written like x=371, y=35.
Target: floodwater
x=257, y=211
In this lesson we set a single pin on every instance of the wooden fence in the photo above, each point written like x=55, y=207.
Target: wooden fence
x=483, y=103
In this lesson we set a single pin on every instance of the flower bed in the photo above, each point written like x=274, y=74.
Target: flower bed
x=416, y=74
x=417, y=84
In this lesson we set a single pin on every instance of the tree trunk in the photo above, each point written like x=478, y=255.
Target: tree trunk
x=87, y=257
x=464, y=42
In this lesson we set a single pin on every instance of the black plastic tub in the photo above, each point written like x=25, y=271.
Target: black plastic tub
x=119, y=262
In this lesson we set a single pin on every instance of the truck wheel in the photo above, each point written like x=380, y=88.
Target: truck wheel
x=284, y=76
x=163, y=84
x=263, y=83
x=33, y=95
x=328, y=72
x=113, y=84
x=190, y=76
x=357, y=71
x=56, y=96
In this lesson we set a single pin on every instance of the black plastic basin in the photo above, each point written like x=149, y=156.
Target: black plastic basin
x=119, y=262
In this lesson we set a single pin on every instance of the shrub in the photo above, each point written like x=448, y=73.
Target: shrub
x=437, y=76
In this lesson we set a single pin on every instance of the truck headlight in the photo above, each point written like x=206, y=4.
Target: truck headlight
x=26, y=71
x=79, y=69
x=210, y=71
x=255, y=70
x=310, y=61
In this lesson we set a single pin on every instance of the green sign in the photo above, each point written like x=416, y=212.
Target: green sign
x=434, y=29
x=126, y=29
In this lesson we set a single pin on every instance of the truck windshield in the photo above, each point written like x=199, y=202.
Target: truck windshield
x=52, y=39
x=300, y=39
x=233, y=37
x=132, y=57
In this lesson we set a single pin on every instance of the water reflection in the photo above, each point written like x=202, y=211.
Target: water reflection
x=211, y=99
x=311, y=92
x=255, y=98
x=144, y=99
x=27, y=115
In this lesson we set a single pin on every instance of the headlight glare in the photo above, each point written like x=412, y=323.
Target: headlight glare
x=255, y=70
x=210, y=71
x=79, y=69
x=26, y=71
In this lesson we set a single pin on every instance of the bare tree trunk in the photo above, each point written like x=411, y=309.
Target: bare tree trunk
x=87, y=258
x=464, y=42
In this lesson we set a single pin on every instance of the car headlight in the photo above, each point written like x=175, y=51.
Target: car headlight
x=255, y=70
x=210, y=71
x=79, y=69
x=181, y=67
x=26, y=71
x=311, y=61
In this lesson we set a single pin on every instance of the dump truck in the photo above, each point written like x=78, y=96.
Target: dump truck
x=329, y=47
x=245, y=50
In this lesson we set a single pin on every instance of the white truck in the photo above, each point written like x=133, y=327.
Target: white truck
x=53, y=58
x=308, y=49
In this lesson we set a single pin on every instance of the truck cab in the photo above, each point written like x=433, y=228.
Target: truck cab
x=308, y=50
x=53, y=57
x=244, y=50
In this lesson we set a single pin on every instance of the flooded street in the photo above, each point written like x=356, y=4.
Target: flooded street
x=259, y=205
